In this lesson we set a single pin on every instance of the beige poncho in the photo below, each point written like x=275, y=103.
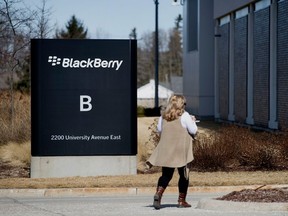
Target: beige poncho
x=174, y=148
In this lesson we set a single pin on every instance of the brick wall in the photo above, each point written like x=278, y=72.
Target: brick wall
x=261, y=67
x=240, y=69
x=223, y=69
x=282, y=64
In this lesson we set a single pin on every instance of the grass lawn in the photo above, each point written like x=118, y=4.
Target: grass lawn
x=150, y=180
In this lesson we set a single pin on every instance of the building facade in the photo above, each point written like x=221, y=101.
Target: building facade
x=247, y=77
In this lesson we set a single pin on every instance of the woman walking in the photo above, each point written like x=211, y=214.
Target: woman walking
x=174, y=150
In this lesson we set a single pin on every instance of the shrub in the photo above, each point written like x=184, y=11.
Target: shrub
x=236, y=148
x=154, y=135
x=16, y=154
x=140, y=111
x=212, y=153
x=264, y=151
x=250, y=150
x=16, y=127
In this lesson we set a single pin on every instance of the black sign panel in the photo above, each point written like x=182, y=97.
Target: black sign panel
x=84, y=97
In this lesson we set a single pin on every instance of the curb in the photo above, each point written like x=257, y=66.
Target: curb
x=228, y=206
x=64, y=192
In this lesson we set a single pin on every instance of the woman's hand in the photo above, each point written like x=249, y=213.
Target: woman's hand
x=193, y=118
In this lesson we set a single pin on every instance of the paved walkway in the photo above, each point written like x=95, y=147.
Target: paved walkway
x=128, y=201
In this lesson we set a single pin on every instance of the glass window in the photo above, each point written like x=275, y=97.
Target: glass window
x=241, y=13
x=224, y=20
x=262, y=4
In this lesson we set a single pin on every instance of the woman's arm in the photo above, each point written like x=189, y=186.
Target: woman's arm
x=159, y=125
x=189, y=123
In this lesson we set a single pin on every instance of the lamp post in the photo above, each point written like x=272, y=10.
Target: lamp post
x=156, y=54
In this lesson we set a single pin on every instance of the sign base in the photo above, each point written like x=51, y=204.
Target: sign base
x=83, y=166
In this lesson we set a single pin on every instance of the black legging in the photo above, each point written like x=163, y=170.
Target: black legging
x=167, y=174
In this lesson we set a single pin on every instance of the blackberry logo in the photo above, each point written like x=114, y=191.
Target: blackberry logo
x=85, y=63
x=54, y=60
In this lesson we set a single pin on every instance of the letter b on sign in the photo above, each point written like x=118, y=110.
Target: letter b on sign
x=85, y=103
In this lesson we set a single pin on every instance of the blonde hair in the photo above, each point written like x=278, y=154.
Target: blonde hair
x=175, y=108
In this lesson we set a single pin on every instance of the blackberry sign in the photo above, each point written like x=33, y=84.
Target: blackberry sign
x=89, y=63
x=84, y=97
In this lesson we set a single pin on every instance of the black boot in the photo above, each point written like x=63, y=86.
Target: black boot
x=157, y=197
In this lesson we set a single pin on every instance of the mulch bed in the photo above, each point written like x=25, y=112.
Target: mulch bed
x=258, y=195
x=8, y=171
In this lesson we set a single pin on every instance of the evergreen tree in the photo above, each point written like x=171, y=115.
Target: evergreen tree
x=133, y=34
x=74, y=29
x=178, y=22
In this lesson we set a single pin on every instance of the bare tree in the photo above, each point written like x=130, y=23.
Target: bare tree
x=172, y=58
x=42, y=20
x=145, y=55
x=175, y=53
x=16, y=29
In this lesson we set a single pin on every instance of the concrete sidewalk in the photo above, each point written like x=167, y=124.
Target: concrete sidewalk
x=207, y=203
